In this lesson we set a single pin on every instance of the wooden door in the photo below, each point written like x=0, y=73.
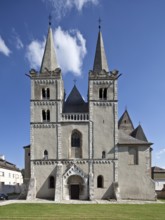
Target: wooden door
x=74, y=191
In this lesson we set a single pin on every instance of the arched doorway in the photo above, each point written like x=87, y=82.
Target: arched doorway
x=75, y=184
x=75, y=179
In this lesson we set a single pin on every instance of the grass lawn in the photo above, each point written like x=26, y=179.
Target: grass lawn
x=84, y=211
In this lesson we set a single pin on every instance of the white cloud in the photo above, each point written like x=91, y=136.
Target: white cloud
x=70, y=50
x=35, y=52
x=18, y=43
x=79, y=4
x=60, y=8
x=160, y=153
x=3, y=48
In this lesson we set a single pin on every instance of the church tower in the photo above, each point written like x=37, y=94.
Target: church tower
x=47, y=97
x=103, y=108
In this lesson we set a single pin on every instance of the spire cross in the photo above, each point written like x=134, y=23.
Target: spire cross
x=99, y=23
x=75, y=80
x=50, y=20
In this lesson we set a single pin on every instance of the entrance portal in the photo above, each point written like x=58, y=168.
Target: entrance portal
x=74, y=191
x=75, y=187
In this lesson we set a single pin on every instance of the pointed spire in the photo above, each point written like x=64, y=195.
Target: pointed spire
x=75, y=103
x=75, y=97
x=138, y=133
x=49, y=61
x=100, y=62
x=125, y=123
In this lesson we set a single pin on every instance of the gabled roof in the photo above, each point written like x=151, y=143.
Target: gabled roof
x=125, y=139
x=138, y=133
x=125, y=123
x=49, y=61
x=100, y=61
x=75, y=103
x=158, y=170
x=8, y=166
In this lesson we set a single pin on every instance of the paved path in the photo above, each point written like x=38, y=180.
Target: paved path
x=37, y=201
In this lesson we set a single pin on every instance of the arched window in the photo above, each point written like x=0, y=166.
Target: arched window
x=48, y=93
x=105, y=93
x=43, y=115
x=76, y=144
x=46, y=115
x=51, y=182
x=103, y=154
x=45, y=154
x=45, y=93
x=76, y=139
x=100, y=181
x=101, y=93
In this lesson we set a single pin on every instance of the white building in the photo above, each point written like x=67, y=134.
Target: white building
x=10, y=177
x=158, y=175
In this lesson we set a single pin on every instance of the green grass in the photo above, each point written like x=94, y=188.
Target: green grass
x=85, y=211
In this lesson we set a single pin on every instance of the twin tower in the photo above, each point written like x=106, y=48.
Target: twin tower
x=78, y=150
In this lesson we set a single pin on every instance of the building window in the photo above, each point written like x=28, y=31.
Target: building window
x=103, y=155
x=16, y=176
x=2, y=173
x=100, y=181
x=76, y=139
x=51, y=182
x=76, y=144
x=43, y=115
x=46, y=155
x=103, y=93
x=133, y=156
x=43, y=93
x=46, y=93
x=46, y=115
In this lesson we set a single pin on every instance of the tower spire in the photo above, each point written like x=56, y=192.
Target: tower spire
x=49, y=61
x=50, y=20
x=99, y=24
x=100, y=61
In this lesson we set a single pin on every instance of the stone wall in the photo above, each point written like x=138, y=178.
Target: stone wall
x=134, y=179
x=10, y=188
x=161, y=193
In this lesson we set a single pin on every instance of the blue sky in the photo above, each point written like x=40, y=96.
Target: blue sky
x=134, y=40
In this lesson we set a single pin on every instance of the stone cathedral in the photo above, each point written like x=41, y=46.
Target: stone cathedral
x=80, y=150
